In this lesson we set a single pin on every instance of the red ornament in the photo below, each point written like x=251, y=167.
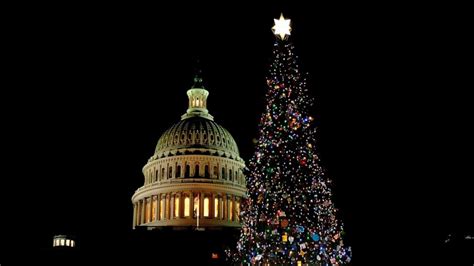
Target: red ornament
x=284, y=223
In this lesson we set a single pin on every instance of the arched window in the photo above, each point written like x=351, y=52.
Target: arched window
x=206, y=171
x=223, y=173
x=163, y=173
x=186, y=206
x=216, y=171
x=196, y=170
x=178, y=171
x=156, y=175
x=170, y=172
x=216, y=207
x=176, y=206
x=187, y=171
x=206, y=207
x=230, y=174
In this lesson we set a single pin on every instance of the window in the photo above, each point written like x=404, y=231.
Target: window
x=186, y=207
x=216, y=172
x=176, y=206
x=73, y=243
x=162, y=173
x=237, y=210
x=170, y=172
x=206, y=171
x=216, y=207
x=196, y=171
x=162, y=209
x=147, y=214
x=153, y=209
x=206, y=207
x=230, y=210
x=156, y=175
x=62, y=242
x=68, y=242
x=178, y=171
x=187, y=171
x=230, y=174
x=223, y=173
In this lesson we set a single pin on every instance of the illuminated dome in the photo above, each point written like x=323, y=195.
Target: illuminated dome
x=196, y=135
x=195, y=177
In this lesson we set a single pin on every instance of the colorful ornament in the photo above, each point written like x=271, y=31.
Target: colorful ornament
x=315, y=236
x=300, y=229
x=284, y=223
x=284, y=237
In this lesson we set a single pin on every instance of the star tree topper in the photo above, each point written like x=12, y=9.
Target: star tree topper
x=282, y=27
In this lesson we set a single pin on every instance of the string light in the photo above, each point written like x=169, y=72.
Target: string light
x=288, y=217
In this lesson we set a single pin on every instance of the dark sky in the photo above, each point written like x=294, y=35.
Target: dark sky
x=94, y=87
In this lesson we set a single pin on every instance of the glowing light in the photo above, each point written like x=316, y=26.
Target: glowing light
x=186, y=206
x=176, y=207
x=289, y=216
x=206, y=207
x=162, y=209
x=282, y=27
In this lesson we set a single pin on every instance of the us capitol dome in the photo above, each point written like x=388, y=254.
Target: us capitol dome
x=194, y=178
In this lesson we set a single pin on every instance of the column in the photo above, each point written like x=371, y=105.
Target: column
x=229, y=207
x=221, y=208
x=142, y=211
x=233, y=208
x=224, y=206
x=191, y=205
x=201, y=204
x=172, y=206
x=211, y=207
x=134, y=215
x=157, y=207
x=161, y=208
x=167, y=207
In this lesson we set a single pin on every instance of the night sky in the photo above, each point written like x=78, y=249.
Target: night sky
x=95, y=87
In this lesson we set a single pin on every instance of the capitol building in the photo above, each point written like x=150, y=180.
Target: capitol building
x=194, y=178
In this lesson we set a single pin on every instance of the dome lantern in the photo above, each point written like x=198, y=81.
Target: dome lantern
x=197, y=101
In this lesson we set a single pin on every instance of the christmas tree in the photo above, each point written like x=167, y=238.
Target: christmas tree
x=288, y=217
